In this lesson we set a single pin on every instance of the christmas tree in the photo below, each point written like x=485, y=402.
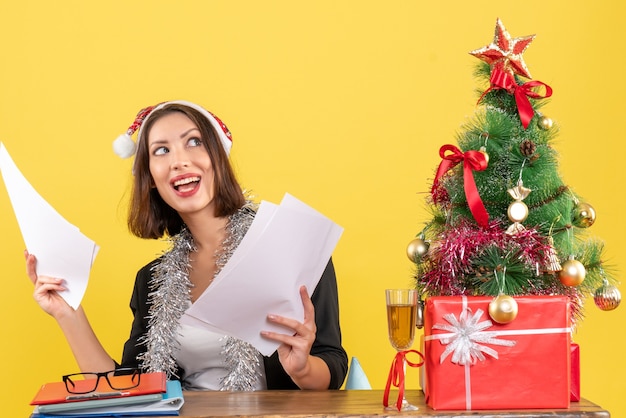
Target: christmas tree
x=504, y=223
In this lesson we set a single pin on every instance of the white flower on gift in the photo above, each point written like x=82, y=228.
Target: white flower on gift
x=467, y=337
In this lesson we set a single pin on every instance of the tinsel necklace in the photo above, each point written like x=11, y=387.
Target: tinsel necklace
x=169, y=298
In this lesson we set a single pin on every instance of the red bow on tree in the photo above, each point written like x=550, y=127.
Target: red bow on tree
x=504, y=80
x=472, y=161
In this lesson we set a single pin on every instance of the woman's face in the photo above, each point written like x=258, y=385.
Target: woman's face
x=180, y=164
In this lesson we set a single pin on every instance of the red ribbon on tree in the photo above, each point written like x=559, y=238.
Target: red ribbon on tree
x=522, y=93
x=472, y=161
x=396, y=375
x=504, y=80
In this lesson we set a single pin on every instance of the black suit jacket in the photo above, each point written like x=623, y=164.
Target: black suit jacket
x=327, y=343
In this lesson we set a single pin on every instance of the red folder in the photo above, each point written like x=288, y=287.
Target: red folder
x=55, y=392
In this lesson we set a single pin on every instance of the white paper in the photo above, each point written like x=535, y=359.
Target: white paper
x=287, y=246
x=62, y=251
x=262, y=218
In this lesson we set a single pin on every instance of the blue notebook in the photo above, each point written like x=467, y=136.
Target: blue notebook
x=165, y=404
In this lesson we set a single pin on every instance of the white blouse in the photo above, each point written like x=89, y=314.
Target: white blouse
x=200, y=355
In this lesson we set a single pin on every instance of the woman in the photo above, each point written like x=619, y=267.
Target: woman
x=184, y=188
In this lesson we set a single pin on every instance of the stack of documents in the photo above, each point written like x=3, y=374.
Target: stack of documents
x=154, y=396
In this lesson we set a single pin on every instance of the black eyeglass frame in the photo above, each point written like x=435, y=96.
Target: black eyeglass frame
x=136, y=374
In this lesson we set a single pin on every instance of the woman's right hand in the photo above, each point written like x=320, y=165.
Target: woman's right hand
x=87, y=350
x=46, y=290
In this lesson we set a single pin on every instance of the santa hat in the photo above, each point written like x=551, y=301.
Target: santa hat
x=125, y=147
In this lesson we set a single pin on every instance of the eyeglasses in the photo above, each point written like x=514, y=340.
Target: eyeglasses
x=118, y=379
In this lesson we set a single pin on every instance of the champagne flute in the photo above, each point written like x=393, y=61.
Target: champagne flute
x=401, y=317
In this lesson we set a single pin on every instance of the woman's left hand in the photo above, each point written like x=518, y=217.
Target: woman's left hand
x=294, y=350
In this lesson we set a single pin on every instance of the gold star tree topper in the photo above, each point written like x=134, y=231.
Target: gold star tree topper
x=505, y=53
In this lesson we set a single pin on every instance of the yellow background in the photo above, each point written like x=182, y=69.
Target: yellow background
x=343, y=104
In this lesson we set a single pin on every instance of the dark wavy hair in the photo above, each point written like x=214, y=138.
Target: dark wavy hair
x=148, y=215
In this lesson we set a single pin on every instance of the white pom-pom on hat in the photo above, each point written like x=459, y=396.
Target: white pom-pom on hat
x=124, y=146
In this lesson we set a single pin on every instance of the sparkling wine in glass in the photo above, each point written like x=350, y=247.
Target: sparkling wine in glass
x=401, y=317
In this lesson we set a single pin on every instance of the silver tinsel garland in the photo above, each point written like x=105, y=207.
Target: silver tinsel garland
x=169, y=298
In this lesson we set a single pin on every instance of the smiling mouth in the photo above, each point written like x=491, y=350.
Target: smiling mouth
x=186, y=184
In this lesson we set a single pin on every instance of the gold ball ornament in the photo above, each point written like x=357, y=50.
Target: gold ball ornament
x=517, y=211
x=503, y=309
x=419, y=314
x=607, y=297
x=544, y=123
x=584, y=215
x=483, y=151
x=573, y=273
x=417, y=249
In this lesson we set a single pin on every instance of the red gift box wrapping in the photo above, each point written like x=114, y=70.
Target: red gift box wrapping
x=533, y=372
x=575, y=379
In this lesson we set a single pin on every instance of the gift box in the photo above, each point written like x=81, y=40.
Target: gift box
x=472, y=362
x=575, y=377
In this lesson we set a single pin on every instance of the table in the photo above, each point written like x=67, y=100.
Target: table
x=347, y=403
